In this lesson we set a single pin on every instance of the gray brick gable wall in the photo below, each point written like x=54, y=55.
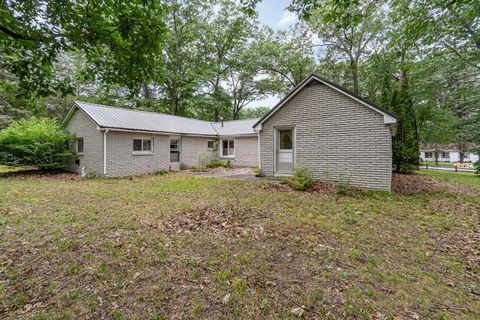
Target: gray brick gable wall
x=83, y=127
x=338, y=138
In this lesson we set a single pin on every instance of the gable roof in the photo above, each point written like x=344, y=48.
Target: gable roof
x=388, y=117
x=137, y=120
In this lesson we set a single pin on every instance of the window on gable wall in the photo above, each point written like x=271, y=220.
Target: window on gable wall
x=79, y=145
x=210, y=144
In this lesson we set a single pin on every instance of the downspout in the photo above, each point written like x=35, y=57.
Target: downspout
x=259, y=156
x=105, y=152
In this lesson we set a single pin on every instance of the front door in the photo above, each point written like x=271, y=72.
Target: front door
x=175, y=153
x=284, y=149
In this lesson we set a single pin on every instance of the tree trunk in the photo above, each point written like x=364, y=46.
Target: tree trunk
x=354, y=67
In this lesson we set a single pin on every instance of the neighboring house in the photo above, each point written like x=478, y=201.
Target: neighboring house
x=121, y=142
x=448, y=152
x=330, y=130
x=321, y=126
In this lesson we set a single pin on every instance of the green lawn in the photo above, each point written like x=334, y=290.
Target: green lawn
x=440, y=164
x=183, y=246
x=4, y=169
x=465, y=178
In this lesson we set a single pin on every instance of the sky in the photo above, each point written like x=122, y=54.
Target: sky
x=274, y=14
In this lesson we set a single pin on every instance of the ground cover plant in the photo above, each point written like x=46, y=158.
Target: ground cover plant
x=185, y=246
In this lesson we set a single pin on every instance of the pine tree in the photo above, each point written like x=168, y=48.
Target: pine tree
x=405, y=143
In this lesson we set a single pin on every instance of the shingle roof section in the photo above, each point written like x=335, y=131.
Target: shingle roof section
x=235, y=127
x=128, y=119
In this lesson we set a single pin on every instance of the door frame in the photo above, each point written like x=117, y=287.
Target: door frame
x=276, y=130
x=179, y=148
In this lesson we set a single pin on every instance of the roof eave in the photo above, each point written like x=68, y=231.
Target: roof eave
x=388, y=118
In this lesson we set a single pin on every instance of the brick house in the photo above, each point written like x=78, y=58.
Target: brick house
x=321, y=126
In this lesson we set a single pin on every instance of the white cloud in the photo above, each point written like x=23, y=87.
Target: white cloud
x=288, y=18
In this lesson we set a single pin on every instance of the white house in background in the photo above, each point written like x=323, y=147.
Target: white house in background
x=448, y=152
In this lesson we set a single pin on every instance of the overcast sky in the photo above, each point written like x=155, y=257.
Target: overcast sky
x=274, y=14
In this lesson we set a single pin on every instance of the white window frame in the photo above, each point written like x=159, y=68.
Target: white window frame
x=76, y=145
x=430, y=153
x=221, y=148
x=447, y=153
x=143, y=152
x=213, y=145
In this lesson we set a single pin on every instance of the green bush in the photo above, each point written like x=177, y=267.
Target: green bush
x=301, y=179
x=219, y=163
x=203, y=160
x=34, y=142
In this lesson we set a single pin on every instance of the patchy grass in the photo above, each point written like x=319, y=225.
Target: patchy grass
x=184, y=246
x=465, y=178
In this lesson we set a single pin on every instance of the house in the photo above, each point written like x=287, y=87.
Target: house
x=330, y=130
x=116, y=142
x=320, y=125
x=451, y=152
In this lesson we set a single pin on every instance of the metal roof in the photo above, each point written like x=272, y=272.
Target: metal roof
x=128, y=119
x=235, y=127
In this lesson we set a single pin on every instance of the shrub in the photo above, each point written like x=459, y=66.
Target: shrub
x=477, y=167
x=34, y=142
x=91, y=174
x=301, y=179
x=161, y=172
x=219, y=163
x=203, y=160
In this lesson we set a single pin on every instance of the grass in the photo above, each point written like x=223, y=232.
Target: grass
x=5, y=169
x=465, y=178
x=184, y=246
x=440, y=164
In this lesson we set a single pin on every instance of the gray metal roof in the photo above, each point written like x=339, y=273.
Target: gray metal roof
x=128, y=119
x=235, y=127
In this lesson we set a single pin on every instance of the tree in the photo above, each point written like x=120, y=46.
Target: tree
x=34, y=142
x=120, y=40
x=181, y=72
x=286, y=56
x=405, y=143
x=224, y=34
x=352, y=42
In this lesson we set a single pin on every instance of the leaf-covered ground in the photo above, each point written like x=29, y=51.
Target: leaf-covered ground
x=184, y=247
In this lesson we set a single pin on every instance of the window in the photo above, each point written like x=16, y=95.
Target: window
x=228, y=148
x=211, y=144
x=428, y=155
x=174, y=150
x=79, y=145
x=142, y=145
x=445, y=155
x=285, y=139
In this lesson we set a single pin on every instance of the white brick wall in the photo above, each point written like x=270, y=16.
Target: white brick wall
x=338, y=138
x=121, y=161
x=246, y=151
x=193, y=147
x=92, y=159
